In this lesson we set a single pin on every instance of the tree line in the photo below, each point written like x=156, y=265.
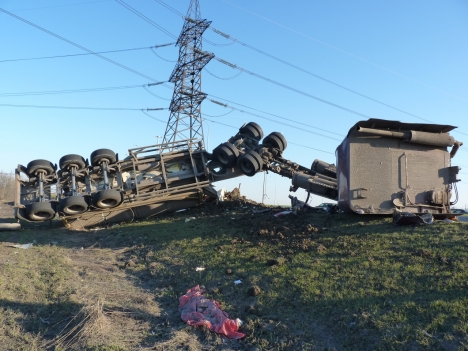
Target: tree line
x=7, y=186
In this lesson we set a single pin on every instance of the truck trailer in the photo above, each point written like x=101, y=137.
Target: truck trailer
x=381, y=167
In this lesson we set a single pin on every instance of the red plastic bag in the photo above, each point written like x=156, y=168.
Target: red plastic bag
x=196, y=309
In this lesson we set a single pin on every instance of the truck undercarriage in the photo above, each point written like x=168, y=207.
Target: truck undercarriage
x=382, y=166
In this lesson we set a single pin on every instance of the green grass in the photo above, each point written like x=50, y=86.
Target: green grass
x=325, y=282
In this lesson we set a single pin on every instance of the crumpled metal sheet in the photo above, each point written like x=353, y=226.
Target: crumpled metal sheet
x=408, y=218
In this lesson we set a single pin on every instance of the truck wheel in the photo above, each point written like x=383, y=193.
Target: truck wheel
x=252, y=130
x=73, y=205
x=255, y=126
x=40, y=211
x=102, y=155
x=71, y=160
x=250, y=163
x=276, y=140
x=226, y=154
x=107, y=198
x=39, y=166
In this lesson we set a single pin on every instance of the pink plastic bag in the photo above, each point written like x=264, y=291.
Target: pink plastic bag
x=196, y=309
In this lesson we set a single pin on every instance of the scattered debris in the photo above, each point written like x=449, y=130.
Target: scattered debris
x=283, y=213
x=238, y=282
x=296, y=203
x=197, y=310
x=221, y=193
x=199, y=269
x=408, y=218
x=233, y=195
x=256, y=211
x=45, y=321
x=446, y=220
x=254, y=290
x=427, y=334
x=21, y=246
x=189, y=219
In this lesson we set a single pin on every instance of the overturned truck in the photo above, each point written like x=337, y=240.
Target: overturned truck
x=382, y=166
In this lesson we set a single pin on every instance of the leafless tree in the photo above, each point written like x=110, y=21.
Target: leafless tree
x=7, y=186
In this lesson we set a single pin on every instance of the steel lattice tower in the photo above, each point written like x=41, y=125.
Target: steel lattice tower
x=185, y=120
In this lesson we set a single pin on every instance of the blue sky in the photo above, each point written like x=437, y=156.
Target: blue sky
x=410, y=55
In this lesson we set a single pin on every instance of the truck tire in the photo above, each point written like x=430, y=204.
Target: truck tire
x=276, y=140
x=73, y=205
x=252, y=130
x=250, y=163
x=108, y=198
x=226, y=154
x=40, y=211
x=68, y=161
x=39, y=166
x=101, y=155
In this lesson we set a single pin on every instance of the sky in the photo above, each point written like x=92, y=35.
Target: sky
x=342, y=62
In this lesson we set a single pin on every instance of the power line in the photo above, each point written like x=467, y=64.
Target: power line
x=76, y=45
x=228, y=78
x=70, y=91
x=270, y=119
x=157, y=119
x=271, y=114
x=170, y=8
x=230, y=126
x=143, y=17
x=300, y=91
x=85, y=54
x=224, y=114
x=227, y=36
x=312, y=148
x=48, y=7
x=86, y=108
x=168, y=33
x=159, y=56
x=240, y=68
x=144, y=86
x=346, y=52
x=159, y=97
x=290, y=88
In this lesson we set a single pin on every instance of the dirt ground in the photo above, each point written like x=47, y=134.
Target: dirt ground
x=310, y=281
x=118, y=277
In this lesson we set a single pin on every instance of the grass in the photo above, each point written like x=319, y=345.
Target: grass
x=309, y=282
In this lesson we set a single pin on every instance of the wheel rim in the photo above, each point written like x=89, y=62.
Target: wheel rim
x=42, y=215
x=75, y=209
x=247, y=167
x=223, y=158
x=106, y=203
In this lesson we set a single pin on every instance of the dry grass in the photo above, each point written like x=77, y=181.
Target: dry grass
x=90, y=323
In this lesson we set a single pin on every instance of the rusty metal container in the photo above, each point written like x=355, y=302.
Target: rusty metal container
x=384, y=166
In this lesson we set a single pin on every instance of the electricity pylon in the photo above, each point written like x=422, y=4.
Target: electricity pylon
x=185, y=120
